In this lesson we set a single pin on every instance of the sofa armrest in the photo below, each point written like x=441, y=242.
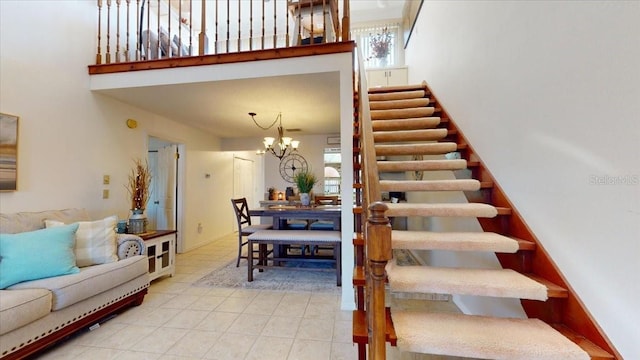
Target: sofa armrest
x=130, y=245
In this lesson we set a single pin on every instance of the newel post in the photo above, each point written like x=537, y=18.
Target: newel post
x=378, y=235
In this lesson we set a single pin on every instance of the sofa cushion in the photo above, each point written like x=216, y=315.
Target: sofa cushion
x=21, y=307
x=30, y=221
x=95, y=240
x=91, y=280
x=37, y=254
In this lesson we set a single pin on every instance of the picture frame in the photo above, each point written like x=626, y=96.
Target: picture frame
x=409, y=16
x=8, y=152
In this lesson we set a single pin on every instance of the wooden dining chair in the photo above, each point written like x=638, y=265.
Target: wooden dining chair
x=323, y=200
x=241, y=210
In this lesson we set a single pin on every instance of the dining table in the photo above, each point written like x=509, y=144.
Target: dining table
x=281, y=213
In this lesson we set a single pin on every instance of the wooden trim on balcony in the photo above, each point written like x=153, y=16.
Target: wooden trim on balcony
x=267, y=54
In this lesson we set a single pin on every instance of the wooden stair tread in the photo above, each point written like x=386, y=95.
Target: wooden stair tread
x=399, y=88
x=410, y=135
x=481, y=336
x=430, y=185
x=415, y=123
x=360, y=335
x=443, y=209
x=416, y=149
x=393, y=114
x=358, y=239
x=555, y=291
x=398, y=104
x=421, y=165
x=456, y=241
x=504, y=283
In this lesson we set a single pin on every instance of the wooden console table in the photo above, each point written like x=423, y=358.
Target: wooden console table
x=161, y=252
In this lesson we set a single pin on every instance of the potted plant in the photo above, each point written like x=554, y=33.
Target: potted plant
x=305, y=180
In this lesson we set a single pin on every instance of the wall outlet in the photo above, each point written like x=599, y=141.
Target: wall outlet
x=199, y=228
x=105, y=193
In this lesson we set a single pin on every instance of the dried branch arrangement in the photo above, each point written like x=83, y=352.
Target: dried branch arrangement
x=138, y=186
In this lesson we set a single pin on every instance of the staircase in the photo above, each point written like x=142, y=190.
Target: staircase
x=410, y=133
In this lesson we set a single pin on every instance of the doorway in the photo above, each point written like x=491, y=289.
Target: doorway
x=163, y=208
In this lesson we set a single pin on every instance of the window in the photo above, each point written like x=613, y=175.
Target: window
x=379, y=44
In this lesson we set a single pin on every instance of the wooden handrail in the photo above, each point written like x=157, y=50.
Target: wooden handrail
x=377, y=232
x=160, y=25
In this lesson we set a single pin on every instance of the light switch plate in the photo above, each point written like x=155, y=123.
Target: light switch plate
x=105, y=193
x=106, y=179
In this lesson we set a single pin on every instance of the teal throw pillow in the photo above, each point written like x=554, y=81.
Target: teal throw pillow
x=37, y=254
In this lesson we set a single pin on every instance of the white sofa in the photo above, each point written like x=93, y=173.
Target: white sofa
x=37, y=313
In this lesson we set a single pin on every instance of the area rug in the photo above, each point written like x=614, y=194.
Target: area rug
x=286, y=279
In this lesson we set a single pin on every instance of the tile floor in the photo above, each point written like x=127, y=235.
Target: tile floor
x=178, y=321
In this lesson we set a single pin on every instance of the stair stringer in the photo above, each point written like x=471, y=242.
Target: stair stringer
x=573, y=313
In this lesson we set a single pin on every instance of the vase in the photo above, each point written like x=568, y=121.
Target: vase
x=137, y=222
x=305, y=199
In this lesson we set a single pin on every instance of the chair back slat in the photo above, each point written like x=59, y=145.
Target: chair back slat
x=241, y=210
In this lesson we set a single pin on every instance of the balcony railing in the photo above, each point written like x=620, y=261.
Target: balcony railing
x=141, y=30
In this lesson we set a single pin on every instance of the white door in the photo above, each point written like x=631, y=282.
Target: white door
x=152, y=203
x=166, y=188
x=243, y=183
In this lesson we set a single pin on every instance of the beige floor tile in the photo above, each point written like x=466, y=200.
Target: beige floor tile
x=65, y=351
x=234, y=304
x=262, y=306
x=270, y=348
x=344, y=351
x=231, y=347
x=342, y=331
x=160, y=340
x=166, y=286
x=99, y=335
x=315, y=329
x=187, y=319
x=245, y=293
x=157, y=317
x=248, y=324
x=217, y=321
x=310, y=350
x=126, y=338
x=137, y=355
x=280, y=326
x=290, y=309
x=321, y=310
x=207, y=302
x=195, y=343
x=154, y=300
x=181, y=301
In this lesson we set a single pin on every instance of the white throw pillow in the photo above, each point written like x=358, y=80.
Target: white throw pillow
x=95, y=241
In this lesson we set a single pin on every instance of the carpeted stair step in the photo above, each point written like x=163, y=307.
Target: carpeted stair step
x=402, y=113
x=410, y=135
x=396, y=95
x=416, y=149
x=505, y=283
x=421, y=165
x=398, y=104
x=482, y=337
x=406, y=124
x=447, y=210
x=457, y=241
x=397, y=88
x=430, y=185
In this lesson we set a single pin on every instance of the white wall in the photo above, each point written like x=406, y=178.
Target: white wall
x=311, y=148
x=549, y=95
x=70, y=137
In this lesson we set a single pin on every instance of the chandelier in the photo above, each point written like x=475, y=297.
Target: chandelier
x=285, y=145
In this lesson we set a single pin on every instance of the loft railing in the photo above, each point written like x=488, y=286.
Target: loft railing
x=377, y=230
x=141, y=30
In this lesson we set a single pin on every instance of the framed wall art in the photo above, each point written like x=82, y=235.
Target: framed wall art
x=8, y=152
